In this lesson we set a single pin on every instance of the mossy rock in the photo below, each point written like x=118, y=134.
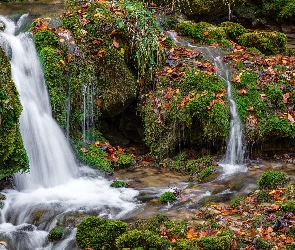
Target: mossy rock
x=272, y=180
x=215, y=242
x=268, y=43
x=13, y=157
x=99, y=233
x=145, y=239
x=56, y=234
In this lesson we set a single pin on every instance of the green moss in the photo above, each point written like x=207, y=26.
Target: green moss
x=98, y=233
x=288, y=206
x=167, y=197
x=263, y=244
x=119, y=184
x=233, y=30
x=178, y=229
x=202, y=32
x=13, y=157
x=152, y=224
x=263, y=196
x=56, y=233
x=206, y=172
x=236, y=202
x=197, y=102
x=45, y=38
x=94, y=156
x=183, y=244
x=272, y=180
x=145, y=239
x=267, y=42
x=214, y=243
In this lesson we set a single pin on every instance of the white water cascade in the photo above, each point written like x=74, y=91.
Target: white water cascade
x=55, y=187
x=233, y=161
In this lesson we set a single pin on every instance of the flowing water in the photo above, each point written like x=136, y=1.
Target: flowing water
x=55, y=185
x=233, y=161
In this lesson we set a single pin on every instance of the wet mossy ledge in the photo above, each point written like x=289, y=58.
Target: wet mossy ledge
x=13, y=157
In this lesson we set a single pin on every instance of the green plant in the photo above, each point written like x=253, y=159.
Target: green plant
x=178, y=229
x=124, y=160
x=144, y=238
x=167, y=197
x=152, y=224
x=45, y=38
x=119, y=184
x=288, y=206
x=233, y=30
x=272, y=179
x=183, y=244
x=56, y=233
x=99, y=233
x=236, y=202
x=263, y=244
x=215, y=243
x=206, y=172
x=267, y=42
x=263, y=196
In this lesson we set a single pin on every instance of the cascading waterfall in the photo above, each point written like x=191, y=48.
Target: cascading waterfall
x=233, y=161
x=55, y=185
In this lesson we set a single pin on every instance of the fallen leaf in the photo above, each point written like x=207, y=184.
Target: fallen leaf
x=115, y=43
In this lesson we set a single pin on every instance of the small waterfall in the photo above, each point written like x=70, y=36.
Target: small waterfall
x=56, y=185
x=233, y=161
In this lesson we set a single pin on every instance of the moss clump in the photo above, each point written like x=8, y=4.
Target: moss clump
x=215, y=243
x=183, y=244
x=145, y=239
x=45, y=38
x=197, y=102
x=268, y=43
x=288, y=206
x=263, y=196
x=95, y=157
x=206, y=172
x=119, y=184
x=98, y=233
x=233, y=30
x=272, y=180
x=167, y=197
x=152, y=224
x=13, y=157
x=202, y=32
x=174, y=228
x=56, y=234
x=236, y=202
x=263, y=244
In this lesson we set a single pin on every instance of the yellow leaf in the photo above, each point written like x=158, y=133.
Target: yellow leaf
x=7, y=101
x=63, y=62
x=122, y=51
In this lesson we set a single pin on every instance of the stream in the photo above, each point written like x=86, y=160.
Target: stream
x=60, y=191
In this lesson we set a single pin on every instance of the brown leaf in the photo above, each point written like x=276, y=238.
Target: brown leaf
x=115, y=43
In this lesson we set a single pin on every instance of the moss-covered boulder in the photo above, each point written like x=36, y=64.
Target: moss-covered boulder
x=267, y=42
x=13, y=157
x=172, y=110
x=99, y=233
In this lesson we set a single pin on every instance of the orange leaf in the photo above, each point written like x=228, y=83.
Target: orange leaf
x=167, y=105
x=98, y=102
x=100, y=53
x=69, y=57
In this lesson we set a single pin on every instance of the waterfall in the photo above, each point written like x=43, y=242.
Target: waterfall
x=56, y=185
x=50, y=156
x=233, y=161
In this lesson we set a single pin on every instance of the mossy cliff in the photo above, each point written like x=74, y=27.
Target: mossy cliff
x=13, y=157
